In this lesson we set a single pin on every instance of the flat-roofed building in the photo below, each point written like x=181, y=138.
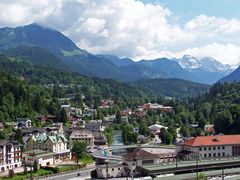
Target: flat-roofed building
x=139, y=157
x=43, y=158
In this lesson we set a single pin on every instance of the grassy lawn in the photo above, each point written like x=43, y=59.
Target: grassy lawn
x=86, y=159
x=67, y=168
x=21, y=176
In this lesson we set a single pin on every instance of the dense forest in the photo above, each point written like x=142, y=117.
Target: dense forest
x=19, y=99
x=221, y=107
x=44, y=75
x=171, y=87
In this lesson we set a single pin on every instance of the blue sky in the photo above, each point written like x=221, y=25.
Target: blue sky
x=145, y=29
x=188, y=9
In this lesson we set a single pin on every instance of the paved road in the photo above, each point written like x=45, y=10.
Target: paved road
x=79, y=174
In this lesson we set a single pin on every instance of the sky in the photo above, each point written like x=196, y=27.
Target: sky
x=145, y=29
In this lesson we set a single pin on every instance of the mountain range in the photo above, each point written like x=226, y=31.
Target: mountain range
x=233, y=77
x=34, y=39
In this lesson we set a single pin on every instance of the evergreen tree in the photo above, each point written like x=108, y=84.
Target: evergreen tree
x=163, y=135
x=169, y=138
x=18, y=136
x=63, y=116
x=118, y=117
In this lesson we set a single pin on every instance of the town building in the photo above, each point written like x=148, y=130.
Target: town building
x=51, y=142
x=139, y=157
x=209, y=128
x=209, y=147
x=95, y=125
x=82, y=135
x=10, y=155
x=155, y=107
x=109, y=118
x=46, y=118
x=24, y=122
x=116, y=170
x=99, y=138
x=132, y=162
x=124, y=119
x=156, y=128
x=165, y=155
x=43, y=158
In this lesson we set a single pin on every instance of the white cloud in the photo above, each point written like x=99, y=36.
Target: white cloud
x=128, y=28
x=213, y=25
x=15, y=13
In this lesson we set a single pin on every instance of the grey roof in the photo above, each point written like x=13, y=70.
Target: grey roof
x=5, y=142
x=77, y=133
x=23, y=119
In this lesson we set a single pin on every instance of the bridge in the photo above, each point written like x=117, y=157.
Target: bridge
x=117, y=147
x=98, y=154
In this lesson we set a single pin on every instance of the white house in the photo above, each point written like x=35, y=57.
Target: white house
x=113, y=170
x=156, y=128
x=24, y=122
x=43, y=158
x=209, y=147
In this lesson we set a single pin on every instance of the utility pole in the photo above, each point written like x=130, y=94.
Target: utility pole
x=197, y=167
x=176, y=161
x=223, y=172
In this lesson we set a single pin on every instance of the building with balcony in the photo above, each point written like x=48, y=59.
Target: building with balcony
x=10, y=155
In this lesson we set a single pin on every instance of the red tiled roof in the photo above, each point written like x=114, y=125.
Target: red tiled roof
x=213, y=140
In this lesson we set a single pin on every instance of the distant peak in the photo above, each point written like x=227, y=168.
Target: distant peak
x=37, y=25
x=188, y=57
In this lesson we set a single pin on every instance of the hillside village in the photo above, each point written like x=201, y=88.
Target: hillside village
x=119, y=89
x=52, y=145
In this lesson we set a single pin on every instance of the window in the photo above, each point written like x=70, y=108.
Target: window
x=223, y=154
x=205, y=155
x=112, y=169
x=219, y=154
x=118, y=168
x=214, y=148
x=214, y=154
x=200, y=149
x=223, y=147
x=209, y=148
x=205, y=149
x=218, y=147
x=209, y=155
